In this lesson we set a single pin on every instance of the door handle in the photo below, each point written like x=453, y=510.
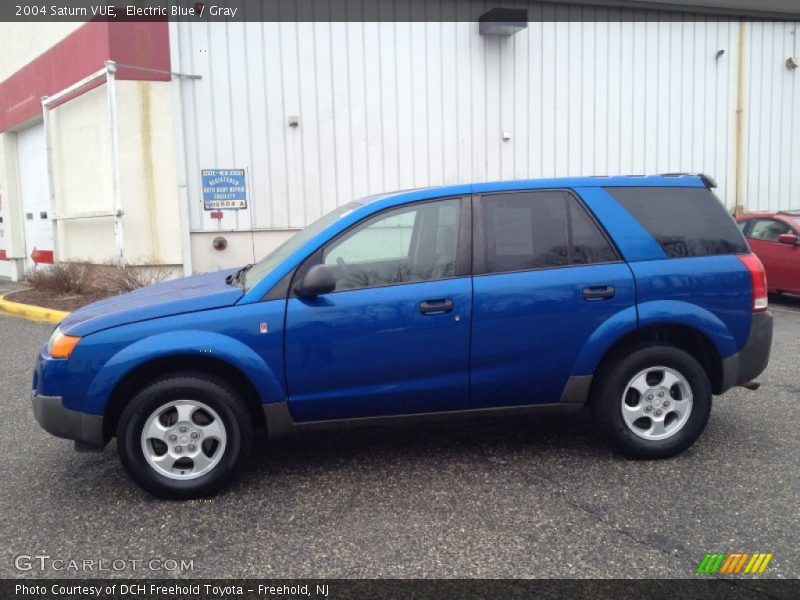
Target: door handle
x=599, y=292
x=436, y=307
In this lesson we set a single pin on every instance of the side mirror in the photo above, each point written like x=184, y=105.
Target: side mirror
x=788, y=238
x=319, y=280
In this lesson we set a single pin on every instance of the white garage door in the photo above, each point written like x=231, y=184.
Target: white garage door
x=35, y=193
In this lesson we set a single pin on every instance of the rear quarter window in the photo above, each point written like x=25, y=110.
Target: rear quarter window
x=686, y=222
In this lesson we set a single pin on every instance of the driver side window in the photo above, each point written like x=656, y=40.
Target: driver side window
x=405, y=245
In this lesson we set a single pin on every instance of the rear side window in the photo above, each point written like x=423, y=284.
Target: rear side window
x=686, y=222
x=589, y=245
x=538, y=230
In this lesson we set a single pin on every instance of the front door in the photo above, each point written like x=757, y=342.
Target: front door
x=393, y=338
x=546, y=277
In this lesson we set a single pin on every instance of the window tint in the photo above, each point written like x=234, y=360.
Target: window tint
x=525, y=231
x=532, y=230
x=589, y=245
x=768, y=230
x=684, y=221
x=405, y=245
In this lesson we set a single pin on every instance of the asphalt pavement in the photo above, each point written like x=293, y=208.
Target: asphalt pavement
x=536, y=497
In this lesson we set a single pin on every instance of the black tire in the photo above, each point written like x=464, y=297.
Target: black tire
x=217, y=395
x=612, y=381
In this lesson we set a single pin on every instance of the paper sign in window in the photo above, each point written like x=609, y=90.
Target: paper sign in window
x=513, y=232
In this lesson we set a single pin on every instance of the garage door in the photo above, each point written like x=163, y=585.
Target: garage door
x=35, y=193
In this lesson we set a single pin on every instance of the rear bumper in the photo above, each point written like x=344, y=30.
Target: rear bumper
x=65, y=423
x=750, y=361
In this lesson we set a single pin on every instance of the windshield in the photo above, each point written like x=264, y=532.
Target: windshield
x=259, y=270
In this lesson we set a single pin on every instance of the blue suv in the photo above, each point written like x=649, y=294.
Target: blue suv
x=635, y=296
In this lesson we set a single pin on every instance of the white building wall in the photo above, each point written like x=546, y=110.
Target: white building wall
x=386, y=106
x=12, y=228
x=772, y=106
x=83, y=174
x=20, y=43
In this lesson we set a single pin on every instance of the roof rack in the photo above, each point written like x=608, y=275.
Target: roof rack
x=707, y=179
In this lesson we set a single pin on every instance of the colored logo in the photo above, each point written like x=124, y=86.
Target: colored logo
x=735, y=563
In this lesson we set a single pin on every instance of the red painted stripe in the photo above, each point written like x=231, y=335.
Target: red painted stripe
x=84, y=51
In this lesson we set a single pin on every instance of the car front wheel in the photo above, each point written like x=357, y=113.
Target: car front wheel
x=184, y=436
x=654, y=402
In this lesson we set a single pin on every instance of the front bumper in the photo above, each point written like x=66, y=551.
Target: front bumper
x=750, y=361
x=65, y=423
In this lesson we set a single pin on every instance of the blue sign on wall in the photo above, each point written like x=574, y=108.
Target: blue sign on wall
x=224, y=189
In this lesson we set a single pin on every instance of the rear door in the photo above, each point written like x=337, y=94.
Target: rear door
x=393, y=338
x=546, y=277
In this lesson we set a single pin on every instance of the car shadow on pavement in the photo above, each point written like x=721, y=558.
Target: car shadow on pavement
x=374, y=452
x=572, y=434
x=786, y=301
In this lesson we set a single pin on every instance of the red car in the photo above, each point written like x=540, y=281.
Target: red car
x=774, y=239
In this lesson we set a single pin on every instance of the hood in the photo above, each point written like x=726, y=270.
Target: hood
x=189, y=294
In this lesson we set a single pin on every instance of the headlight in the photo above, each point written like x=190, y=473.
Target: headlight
x=60, y=345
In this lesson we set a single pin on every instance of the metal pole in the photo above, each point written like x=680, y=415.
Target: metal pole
x=738, y=202
x=48, y=141
x=75, y=87
x=111, y=69
x=180, y=147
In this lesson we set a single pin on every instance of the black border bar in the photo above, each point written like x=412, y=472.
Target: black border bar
x=733, y=588
x=389, y=10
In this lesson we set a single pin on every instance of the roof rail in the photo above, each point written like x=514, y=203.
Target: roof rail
x=793, y=213
x=706, y=179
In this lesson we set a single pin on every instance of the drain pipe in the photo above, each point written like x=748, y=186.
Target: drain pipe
x=180, y=148
x=111, y=96
x=738, y=206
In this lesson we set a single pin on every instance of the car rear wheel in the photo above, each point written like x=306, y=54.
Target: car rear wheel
x=184, y=436
x=654, y=402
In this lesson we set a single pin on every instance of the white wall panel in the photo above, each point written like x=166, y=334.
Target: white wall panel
x=389, y=105
x=773, y=128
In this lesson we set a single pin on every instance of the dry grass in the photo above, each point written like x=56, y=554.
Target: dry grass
x=118, y=279
x=71, y=279
x=63, y=278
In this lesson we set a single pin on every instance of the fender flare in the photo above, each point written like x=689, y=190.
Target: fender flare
x=686, y=314
x=602, y=339
x=267, y=384
x=657, y=312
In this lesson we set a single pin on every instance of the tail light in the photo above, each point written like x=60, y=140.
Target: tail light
x=758, y=278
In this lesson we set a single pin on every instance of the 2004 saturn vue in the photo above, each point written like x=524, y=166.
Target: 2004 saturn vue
x=636, y=296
